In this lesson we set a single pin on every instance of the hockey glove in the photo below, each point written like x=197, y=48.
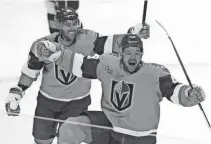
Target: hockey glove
x=13, y=100
x=46, y=50
x=142, y=30
x=145, y=31
x=195, y=95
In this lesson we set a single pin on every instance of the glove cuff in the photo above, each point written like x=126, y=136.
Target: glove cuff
x=17, y=90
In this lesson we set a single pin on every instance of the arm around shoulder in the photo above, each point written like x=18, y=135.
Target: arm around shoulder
x=86, y=66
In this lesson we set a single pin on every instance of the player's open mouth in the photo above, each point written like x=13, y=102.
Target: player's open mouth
x=132, y=63
x=71, y=32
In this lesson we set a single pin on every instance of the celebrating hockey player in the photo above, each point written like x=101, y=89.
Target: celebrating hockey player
x=59, y=96
x=132, y=90
x=53, y=5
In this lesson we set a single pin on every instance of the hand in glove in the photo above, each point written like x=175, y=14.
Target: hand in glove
x=142, y=30
x=46, y=50
x=195, y=95
x=13, y=100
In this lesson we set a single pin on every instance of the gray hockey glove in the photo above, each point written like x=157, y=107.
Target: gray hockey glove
x=195, y=95
x=46, y=50
x=13, y=100
x=142, y=30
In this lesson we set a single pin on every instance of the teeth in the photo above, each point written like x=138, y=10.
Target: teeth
x=71, y=32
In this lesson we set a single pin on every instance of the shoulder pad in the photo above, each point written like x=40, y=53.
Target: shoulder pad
x=109, y=57
x=86, y=32
x=50, y=37
x=110, y=54
x=159, y=66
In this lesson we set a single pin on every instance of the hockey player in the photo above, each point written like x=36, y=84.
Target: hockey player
x=53, y=5
x=59, y=96
x=132, y=90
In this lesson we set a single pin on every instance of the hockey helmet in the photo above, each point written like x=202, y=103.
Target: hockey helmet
x=63, y=14
x=132, y=40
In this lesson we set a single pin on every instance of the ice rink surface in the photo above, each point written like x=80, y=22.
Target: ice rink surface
x=188, y=23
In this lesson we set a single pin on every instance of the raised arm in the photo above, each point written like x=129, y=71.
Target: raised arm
x=111, y=43
x=179, y=93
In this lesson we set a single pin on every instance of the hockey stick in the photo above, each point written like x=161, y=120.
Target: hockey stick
x=143, y=16
x=60, y=121
x=69, y=122
x=96, y=126
x=184, y=70
x=159, y=136
x=144, y=12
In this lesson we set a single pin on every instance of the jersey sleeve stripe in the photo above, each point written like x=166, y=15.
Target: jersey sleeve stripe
x=99, y=44
x=77, y=63
x=175, y=97
x=151, y=132
x=108, y=44
x=30, y=72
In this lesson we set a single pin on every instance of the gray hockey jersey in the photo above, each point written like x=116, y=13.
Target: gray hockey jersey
x=131, y=101
x=57, y=83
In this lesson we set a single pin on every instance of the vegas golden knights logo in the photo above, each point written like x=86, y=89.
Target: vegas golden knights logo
x=121, y=95
x=63, y=77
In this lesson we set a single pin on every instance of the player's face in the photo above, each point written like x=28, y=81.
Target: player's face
x=131, y=58
x=69, y=28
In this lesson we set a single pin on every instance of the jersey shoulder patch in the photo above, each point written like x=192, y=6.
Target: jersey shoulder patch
x=109, y=64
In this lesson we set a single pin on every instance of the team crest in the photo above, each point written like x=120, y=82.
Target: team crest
x=63, y=77
x=121, y=95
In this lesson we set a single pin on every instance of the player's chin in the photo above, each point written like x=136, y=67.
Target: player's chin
x=132, y=67
x=70, y=36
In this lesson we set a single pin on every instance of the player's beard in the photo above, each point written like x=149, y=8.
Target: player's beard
x=69, y=35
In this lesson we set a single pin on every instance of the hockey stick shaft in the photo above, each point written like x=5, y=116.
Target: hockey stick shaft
x=68, y=122
x=144, y=12
x=97, y=126
x=184, y=70
x=143, y=16
x=60, y=121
